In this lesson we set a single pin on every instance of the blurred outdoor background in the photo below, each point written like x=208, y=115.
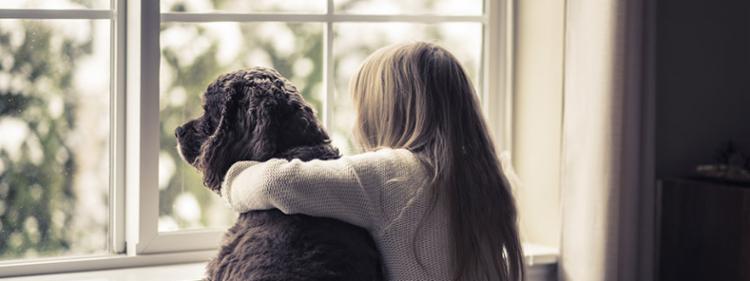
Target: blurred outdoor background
x=55, y=100
x=54, y=133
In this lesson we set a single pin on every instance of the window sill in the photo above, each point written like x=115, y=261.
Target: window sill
x=537, y=255
x=188, y=271
x=542, y=262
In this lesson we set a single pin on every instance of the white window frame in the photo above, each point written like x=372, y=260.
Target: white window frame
x=135, y=238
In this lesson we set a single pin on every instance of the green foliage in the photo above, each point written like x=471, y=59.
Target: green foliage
x=36, y=182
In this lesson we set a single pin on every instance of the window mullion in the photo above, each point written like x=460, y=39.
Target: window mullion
x=142, y=115
x=328, y=83
x=86, y=14
x=497, y=70
x=117, y=128
x=332, y=17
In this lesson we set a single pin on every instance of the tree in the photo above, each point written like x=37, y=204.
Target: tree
x=37, y=163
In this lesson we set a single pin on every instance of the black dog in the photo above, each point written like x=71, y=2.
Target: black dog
x=256, y=114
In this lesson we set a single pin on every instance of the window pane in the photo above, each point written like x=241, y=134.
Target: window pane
x=54, y=4
x=400, y=7
x=355, y=41
x=54, y=144
x=194, y=55
x=244, y=6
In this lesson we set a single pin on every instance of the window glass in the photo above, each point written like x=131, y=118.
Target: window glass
x=54, y=4
x=194, y=55
x=400, y=7
x=244, y=6
x=355, y=41
x=54, y=137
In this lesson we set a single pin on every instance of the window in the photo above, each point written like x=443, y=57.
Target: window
x=199, y=41
x=55, y=95
x=88, y=171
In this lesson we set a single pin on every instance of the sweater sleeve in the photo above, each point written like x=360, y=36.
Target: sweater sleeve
x=323, y=188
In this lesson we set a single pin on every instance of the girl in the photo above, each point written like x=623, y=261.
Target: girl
x=429, y=188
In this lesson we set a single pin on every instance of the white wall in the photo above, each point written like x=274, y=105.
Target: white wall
x=537, y=118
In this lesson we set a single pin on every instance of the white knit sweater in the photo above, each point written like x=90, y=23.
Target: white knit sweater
x=383, y=191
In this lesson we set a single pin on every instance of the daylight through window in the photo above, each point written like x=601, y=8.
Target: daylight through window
x=55, y=128
x=317, y=44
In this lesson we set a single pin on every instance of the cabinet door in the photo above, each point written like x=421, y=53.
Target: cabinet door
x=745, y=237
x=704, y=231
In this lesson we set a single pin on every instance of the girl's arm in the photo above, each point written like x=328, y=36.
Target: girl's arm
x=323, y=188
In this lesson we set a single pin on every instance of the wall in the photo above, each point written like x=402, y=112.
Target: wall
x=702, y=81
x=537, y=107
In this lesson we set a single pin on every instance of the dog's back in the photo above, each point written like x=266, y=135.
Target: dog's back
x=269, y=245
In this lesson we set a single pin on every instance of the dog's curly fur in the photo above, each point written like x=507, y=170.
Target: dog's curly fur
x=256, y=114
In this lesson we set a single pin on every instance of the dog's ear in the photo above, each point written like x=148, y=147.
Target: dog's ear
x=244, y=132
x=263, y=117
x=301, y=128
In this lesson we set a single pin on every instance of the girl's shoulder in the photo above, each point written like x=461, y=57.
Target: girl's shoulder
x=385, y=157
x=385, y=164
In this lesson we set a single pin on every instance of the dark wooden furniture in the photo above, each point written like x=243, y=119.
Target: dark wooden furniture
x=704, y=231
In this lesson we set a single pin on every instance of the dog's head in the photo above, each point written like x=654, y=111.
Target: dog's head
x=252, y=114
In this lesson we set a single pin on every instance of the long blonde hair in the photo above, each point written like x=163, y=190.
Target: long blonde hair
x=417, y=96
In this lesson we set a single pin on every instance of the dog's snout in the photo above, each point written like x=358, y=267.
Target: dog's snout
x=179, y=131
